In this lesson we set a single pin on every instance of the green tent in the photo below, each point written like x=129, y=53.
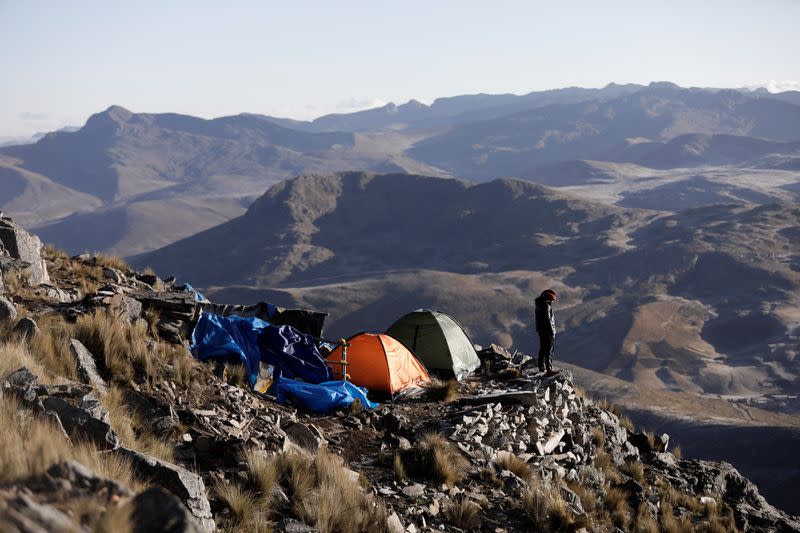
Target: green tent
x=438, y=341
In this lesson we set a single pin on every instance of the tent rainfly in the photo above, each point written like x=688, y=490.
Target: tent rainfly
x=438, y=341
x=379, y=363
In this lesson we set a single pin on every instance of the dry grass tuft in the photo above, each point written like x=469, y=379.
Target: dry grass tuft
x=442, y=391
x=598, y=437
x=152, y=316
x=51, y=346
x=546, y=509
x=236, y=375
x=398, y=467
x=634, y=469
x=183, y=365
x=644, y=521
x=606, y=405
x=464, y=514
x=30, y=444
x=627, y=423
x=133, y=432
x=616, y=503
x=324, y=494
x=438, y=458
x=677, y=498
x=16, y=354
x=111, y=261
x=586, y=494
x=677, y=452
x=262, y=476
x=241, y=504
x=16, y=284
x=121, y=347
x=604, y=464
x=512, y=463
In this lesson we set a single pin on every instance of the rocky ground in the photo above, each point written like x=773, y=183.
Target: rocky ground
x=109, y=424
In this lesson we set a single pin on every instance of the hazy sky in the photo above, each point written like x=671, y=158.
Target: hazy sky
x=62, y=61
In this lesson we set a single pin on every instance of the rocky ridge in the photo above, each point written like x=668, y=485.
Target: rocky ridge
x=506, y=451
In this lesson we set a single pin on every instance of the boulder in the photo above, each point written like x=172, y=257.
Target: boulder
x=553, y=441
x=86, y=367
x=641, y=442
x=8, y=311
x=155, y=509
x=25, y=329
x=23, y=383
x=750, y=509
x=82, y=423
x=20, y=379
x=394, y=525
x=301, y=435
x=187, y=486
x=19, y=244
x=113, y=274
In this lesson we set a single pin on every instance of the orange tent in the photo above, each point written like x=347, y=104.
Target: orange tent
x=379, y=363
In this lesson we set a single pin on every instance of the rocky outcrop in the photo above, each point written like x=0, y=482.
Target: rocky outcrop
x=187, y=486
x=8, y=312
x=88, y=420
x=26, y=248
x=86, y=367
x=156, y=509
x=25, y=329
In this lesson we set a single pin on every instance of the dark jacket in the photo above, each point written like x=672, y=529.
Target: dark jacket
x=545, y=323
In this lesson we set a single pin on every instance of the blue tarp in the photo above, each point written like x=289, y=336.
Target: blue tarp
x=252, y=340
x=198, y=296
x=322, y=397
x=293, y=354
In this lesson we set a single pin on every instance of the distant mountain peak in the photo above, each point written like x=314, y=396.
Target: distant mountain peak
x=118, y=113
x=663, y=85
x=114, y=115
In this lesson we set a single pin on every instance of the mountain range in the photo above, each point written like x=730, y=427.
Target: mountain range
x=151, y=179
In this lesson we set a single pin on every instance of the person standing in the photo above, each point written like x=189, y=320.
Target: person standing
x=546, y=328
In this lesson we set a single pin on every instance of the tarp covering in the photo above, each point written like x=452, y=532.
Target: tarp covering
x=293, y=354
x=222, y=337
x=303, y=320
x=322, y=397
x=380, y=363
x=198, y=296
x=252, y=340
x=438, y=341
